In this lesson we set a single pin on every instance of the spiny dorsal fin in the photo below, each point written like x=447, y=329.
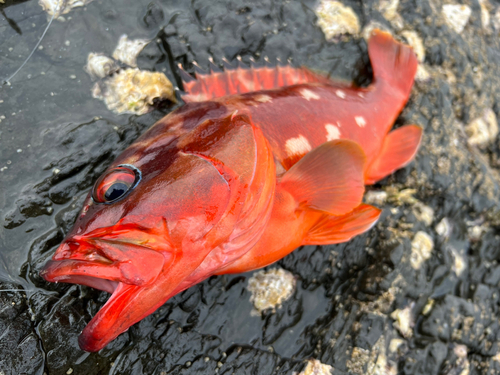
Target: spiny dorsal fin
x=240, y=80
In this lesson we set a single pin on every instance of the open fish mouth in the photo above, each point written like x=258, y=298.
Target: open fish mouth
x=124, y=266
x=103, y=263
x=114, y=266
x=98, y=331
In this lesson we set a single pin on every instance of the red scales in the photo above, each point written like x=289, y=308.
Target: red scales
x=258, y=162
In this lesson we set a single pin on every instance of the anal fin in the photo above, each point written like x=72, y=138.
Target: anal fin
x=398, y=149
x=332, y=229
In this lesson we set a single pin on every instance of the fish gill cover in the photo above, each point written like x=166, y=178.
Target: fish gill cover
x=385, y=302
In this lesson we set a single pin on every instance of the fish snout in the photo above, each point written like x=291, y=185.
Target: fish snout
x=65, y=250
x=104, y=263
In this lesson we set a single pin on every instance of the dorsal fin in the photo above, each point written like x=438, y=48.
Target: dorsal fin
x=240, y=80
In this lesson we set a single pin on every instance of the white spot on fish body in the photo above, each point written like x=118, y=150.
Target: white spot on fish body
x=341, y=94
x=332, y=132
x=263, y=98
x=297, y=146
x=360, y=120
x=361, y=95
x=308, y=94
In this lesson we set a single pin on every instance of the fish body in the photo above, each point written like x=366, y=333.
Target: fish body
x=258, y=162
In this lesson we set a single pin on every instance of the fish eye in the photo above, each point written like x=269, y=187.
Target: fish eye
x=115, y=184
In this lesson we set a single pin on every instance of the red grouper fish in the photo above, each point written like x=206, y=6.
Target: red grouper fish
x=258, y=162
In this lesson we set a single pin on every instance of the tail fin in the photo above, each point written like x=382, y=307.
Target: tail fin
x=392, y=62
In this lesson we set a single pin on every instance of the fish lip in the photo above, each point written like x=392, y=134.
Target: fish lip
x=101, y=263
x=64, y=271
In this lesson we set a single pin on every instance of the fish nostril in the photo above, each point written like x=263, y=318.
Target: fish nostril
x=73, y=246
x=62, y=252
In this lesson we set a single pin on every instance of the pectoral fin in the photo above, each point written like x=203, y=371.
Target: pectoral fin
x=398, y=149
x=329, y=178
x=336, y=229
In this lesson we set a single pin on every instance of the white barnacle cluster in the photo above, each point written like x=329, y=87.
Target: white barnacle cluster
x=99, y=65
x=270, y=288
x=403, y=320
x=127, y=50
x=336, y=19
x=133, y=90
x=389, y=10
x=315, y=367
x=483, y=130
x=421, y=249
x=371, y=362
x=128, y=89
x=456, y=16
x=57, y=8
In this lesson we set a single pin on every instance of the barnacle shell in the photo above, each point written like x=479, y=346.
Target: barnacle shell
x=133, y=90
x=315, y=367
x=100, y=65
x=270, y=288
x=127, y=50
x=421, y=249
x=59, y=7
x=483, y=130
x=335, y=19
x=456, y=16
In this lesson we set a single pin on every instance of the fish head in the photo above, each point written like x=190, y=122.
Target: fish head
x=157, y=212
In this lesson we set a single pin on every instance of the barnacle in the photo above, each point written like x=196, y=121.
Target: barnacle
x=270, y=288
x=335, y=19
x=133, y=90
x=60, y=7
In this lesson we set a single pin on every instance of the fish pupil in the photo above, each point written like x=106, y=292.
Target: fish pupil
x=115, y=191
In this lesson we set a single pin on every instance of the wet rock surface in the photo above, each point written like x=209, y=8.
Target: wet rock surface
x=360, y=307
